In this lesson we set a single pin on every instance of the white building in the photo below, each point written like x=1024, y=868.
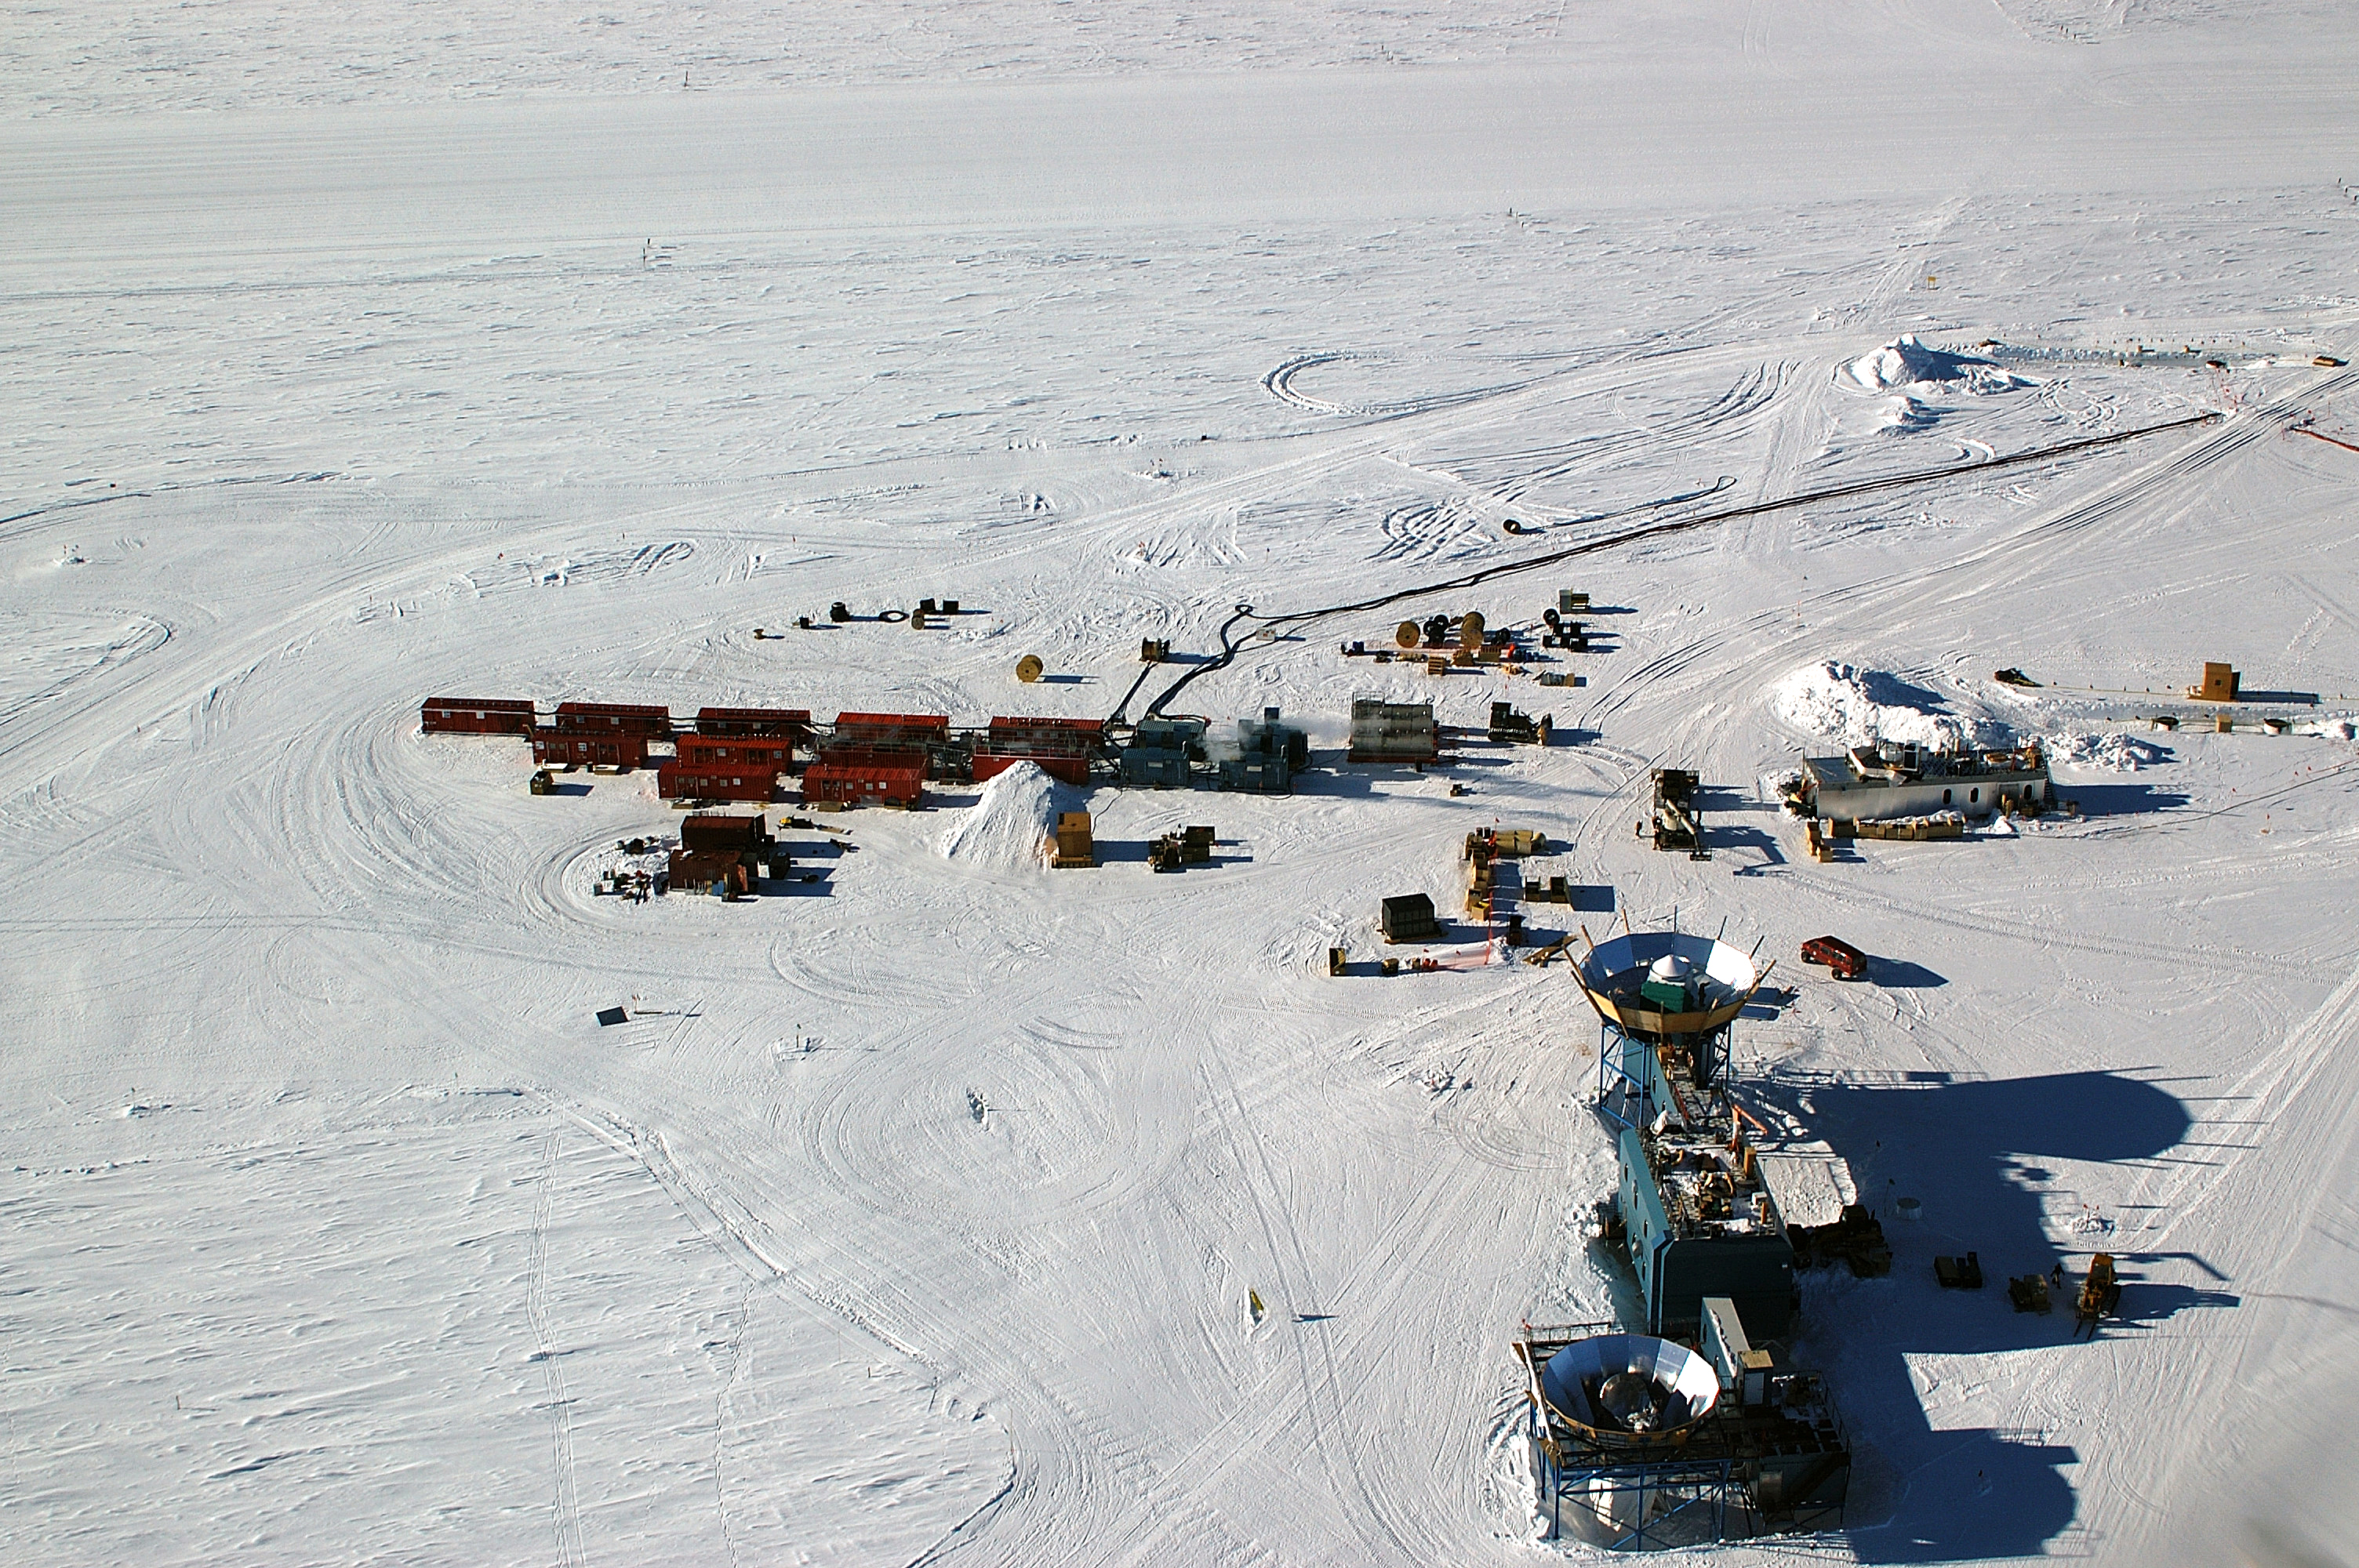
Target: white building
x=1901, y=779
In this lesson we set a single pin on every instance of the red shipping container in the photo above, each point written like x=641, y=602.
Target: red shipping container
x=614, y=717
x=895, y=731
x=865, y=783
x=786, y=723
x=624, y=750
x=842, y=756
x=679, y=781
x=701, y=750
x=477, y=716
x=715, y=871
x=1072, y=770
x=1060, y=746
x=718, y=831
x=1084, y=729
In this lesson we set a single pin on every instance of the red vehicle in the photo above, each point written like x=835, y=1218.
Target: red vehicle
x=1847, y=961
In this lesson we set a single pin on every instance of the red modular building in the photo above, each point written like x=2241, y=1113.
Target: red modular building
x=891, y=731
x=477, y=716
x=774, y=752
x=705, y=830
x=589, y=749
x=882, y=739
x=788, y=724
x=900, y=781
x=714, y=872
x=722, y=781
x=614, y=719
x=871, y=757
x=1059, y=747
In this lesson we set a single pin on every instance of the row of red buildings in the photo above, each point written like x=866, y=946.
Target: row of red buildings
x=737, y=753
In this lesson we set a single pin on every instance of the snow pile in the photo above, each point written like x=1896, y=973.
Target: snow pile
x=1009, y=827
x=1856, y=707
x=2343, y=729
x=2119, y=752
x=1906, y=414
x=1906, y=362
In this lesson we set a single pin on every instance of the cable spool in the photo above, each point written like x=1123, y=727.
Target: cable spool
x=1407, y=634
x=918, y=618
x=1029, y=668
x=1470, y=629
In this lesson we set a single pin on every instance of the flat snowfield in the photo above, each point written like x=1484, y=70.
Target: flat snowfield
x=919, y=1209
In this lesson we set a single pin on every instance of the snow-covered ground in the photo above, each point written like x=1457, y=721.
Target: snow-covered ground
x=913, y=1213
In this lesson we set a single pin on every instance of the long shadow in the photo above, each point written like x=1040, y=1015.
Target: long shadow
x=1354, y=781
x=1762, y=843
x=2120, y=800
x=1970, y=1150
x=1769, y=1002
x=800, y=882
x=2297, y=699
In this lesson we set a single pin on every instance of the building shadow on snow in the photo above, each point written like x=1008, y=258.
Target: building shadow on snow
x=1753, y=840
x=1973, y=1152
x=2120, y=800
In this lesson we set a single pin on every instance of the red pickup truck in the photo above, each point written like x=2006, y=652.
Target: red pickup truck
x=1847, y=961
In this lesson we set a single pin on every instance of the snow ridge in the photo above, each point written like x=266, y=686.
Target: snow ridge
x=1905, y=362
x=1857, y=707
x=2118, y=753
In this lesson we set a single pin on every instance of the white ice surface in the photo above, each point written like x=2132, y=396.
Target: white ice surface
x=912, y=1214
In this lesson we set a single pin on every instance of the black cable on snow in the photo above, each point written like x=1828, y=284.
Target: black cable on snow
x=1229, y=649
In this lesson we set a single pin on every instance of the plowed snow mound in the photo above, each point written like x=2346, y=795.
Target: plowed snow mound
x=1854, y=706
x=2119, y=752
x=1905, y=362
x=1008, y=829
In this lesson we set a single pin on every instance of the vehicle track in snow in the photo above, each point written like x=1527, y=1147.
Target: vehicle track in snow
x=1366, y=1506
x=1506, y=477
x=566, y=1512
x=1279, y=384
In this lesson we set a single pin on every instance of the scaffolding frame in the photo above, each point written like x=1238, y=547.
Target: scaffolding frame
x=1676, y=1500
x=1631, y=1083
x=1628, y=1494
